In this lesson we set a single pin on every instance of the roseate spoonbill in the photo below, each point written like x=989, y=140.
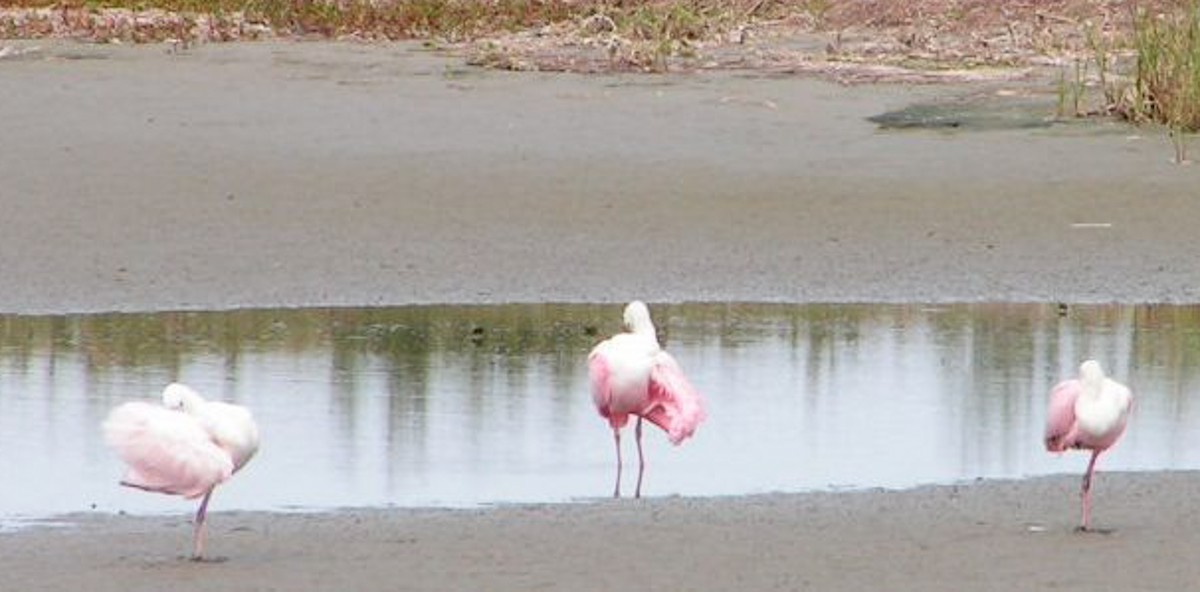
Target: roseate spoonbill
x=1089, y=413
x=185, y=447
x=632, y=375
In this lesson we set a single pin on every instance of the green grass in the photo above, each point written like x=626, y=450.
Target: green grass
x=1072, y=91
x=1168, y=68
x=1167, y=76
x=666, y=29
x=1160, y=86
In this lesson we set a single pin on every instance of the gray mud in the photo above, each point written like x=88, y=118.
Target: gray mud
x=1001, y=535
x=301, y=174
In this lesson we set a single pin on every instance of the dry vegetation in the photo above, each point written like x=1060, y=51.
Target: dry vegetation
x=640, y=33
x=1136, y=58
x=853, y=40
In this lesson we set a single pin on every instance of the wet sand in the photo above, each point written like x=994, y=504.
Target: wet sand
x=326, y=174
x=277, y=174
x=1003, y=535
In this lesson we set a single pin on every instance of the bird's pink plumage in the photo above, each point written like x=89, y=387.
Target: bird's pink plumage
x=675, y=405
x=1062, y=427
x=630, y=374
x=166, y=451
x=1093, y=421
x=600, y=374
x=1060, y=416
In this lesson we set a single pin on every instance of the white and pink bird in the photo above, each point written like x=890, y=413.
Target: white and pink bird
x=632, y=375
x=186, y=447
x=1087, y=413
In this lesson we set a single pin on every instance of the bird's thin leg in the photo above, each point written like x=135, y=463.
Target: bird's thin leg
x=641, y=459
x=1085, y=491
x=617, y=440
x=198, y=534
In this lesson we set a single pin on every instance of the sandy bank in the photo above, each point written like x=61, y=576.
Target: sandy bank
x=297, y=174
x=1006, y=535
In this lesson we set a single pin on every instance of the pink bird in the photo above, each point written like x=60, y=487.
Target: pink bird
x=632, y=375
x=1090, y=413
x=185, y=447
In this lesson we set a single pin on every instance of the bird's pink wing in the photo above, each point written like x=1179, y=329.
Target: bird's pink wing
x=600, y=376
x=675, y=405
x=166, y=451
x=1060, y=415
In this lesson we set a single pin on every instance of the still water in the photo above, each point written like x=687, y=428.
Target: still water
x=460, y=406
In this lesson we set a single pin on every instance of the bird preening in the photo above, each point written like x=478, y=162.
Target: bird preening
x=631, y=374
x=186, y=446
x=1089, y=413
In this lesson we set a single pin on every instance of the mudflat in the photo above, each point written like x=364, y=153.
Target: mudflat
x=141, y=178
x=1000, y=535
x=297, y=174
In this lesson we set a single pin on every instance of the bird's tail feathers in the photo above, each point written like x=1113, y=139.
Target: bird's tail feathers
x=676, y=405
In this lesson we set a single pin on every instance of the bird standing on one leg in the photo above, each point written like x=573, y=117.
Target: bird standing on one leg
x=1089, y=412
x=185, y=447
x=632, y=375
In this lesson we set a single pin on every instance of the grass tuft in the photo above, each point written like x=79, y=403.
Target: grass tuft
x=1167, y=78
x=1162, y=85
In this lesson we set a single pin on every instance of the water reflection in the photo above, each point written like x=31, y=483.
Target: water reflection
x=467, y=405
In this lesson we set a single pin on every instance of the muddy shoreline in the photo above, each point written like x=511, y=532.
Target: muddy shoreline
x=342, y=174
x=283, y=174
x=999, y=535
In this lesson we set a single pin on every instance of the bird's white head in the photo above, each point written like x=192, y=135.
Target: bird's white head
x=637, y=318
x=179, y=397
x=1091, y=371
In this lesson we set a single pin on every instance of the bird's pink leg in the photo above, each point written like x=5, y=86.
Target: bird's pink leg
x=617, y=440
x=1085, y=491
x=198, y=534
x=641, y=459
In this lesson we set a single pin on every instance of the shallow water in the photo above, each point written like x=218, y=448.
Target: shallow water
x=454, y=406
